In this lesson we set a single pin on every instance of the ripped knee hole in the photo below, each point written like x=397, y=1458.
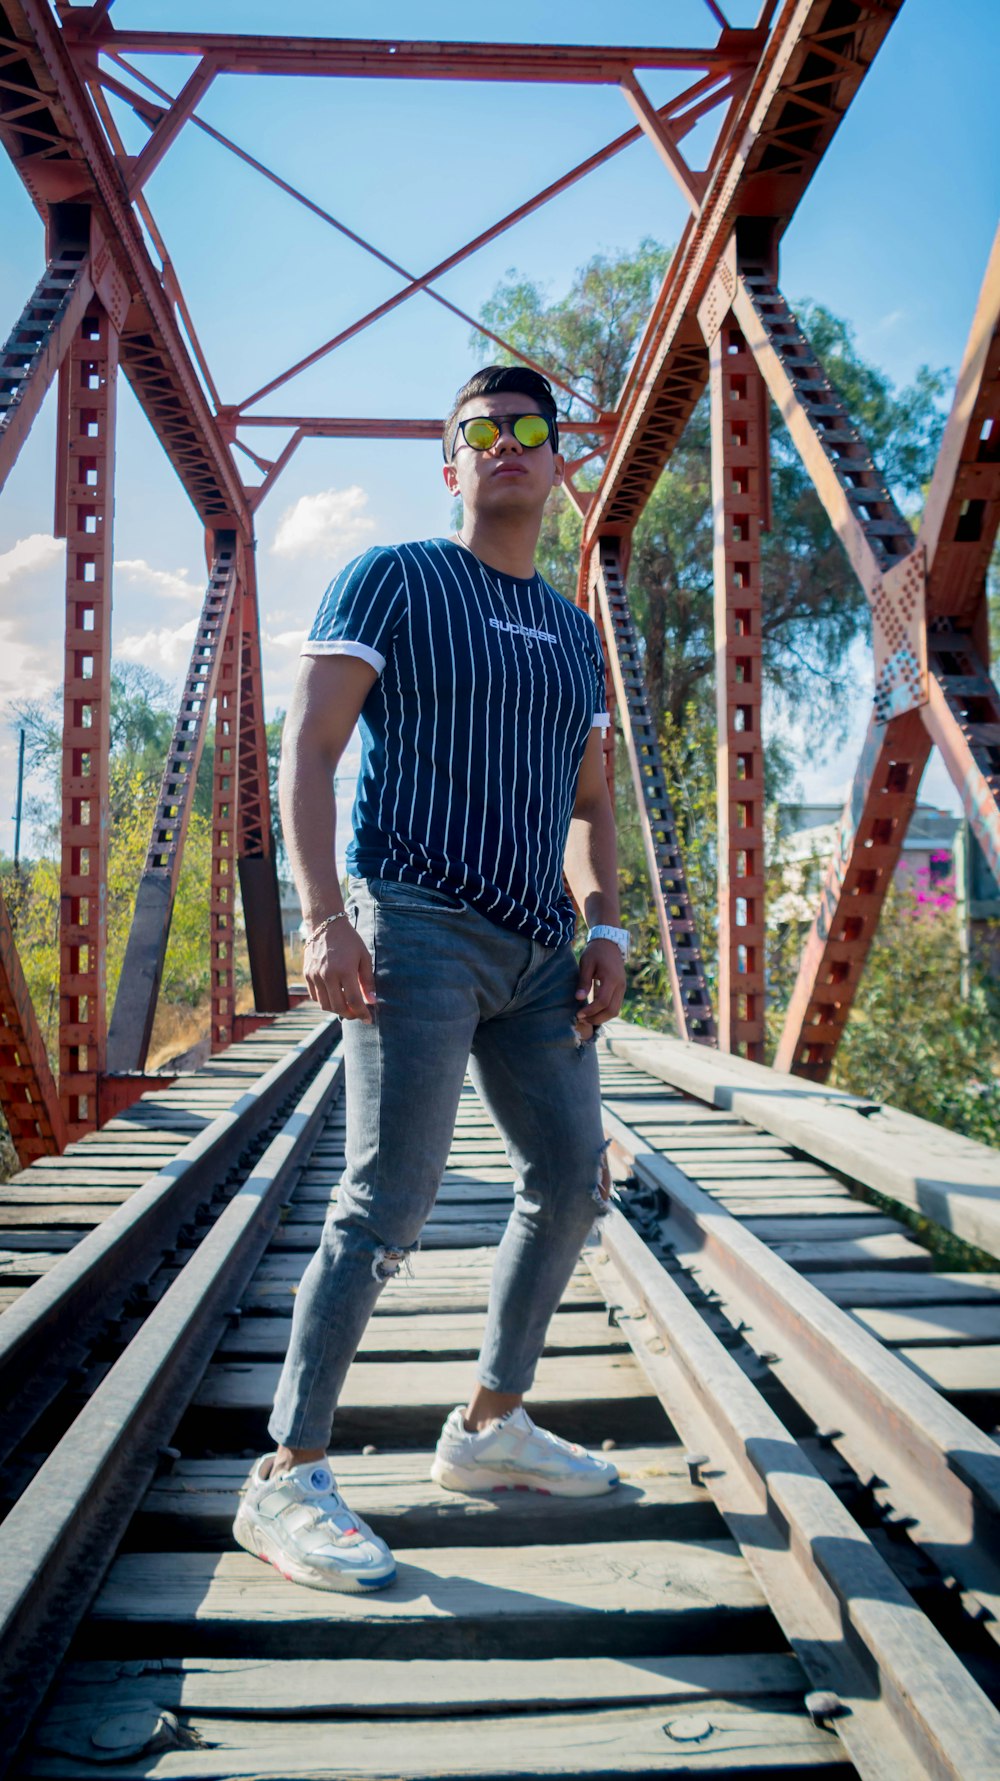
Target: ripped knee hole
x=386, y=1263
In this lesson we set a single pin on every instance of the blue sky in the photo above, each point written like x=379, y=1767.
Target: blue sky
x=893, y=234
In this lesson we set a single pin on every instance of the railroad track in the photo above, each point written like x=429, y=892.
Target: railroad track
x=798, y=1571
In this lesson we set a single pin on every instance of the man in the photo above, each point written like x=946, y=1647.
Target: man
x=481, y=700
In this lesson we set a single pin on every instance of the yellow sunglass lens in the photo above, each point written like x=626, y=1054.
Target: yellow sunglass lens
x=531, y=429
x=481, y=434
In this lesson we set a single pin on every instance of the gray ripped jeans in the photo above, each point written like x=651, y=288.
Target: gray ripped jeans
x=455, y=991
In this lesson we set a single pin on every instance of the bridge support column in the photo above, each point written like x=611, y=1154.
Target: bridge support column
x=86, y=500
x=225, y=796
x=255, y=842
x=740, y=474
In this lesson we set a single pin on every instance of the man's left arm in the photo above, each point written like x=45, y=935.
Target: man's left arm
x=592, y=870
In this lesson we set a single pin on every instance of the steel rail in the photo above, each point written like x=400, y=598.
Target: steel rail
x=50, y=1329
x=61, y=1534
x=944, y=1176
x=899, y=1698
x=934, y=1465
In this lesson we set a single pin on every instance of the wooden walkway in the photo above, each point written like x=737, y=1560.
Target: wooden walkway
x=630, y=1634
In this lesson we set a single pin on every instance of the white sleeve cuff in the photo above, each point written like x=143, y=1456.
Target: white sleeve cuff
x=339, y=648
x=601, y=721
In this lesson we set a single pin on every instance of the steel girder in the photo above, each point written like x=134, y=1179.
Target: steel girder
x=139, y=984
x=225, y=795
x=38, y=343
x=930, y=640
x=816, y=58
x=740, y=479
x=376, y=59
x=866, y=852
x=86, y=461
x=661, y=840
x=50, y=131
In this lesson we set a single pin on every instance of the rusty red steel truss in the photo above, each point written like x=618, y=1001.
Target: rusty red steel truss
x=107, y=300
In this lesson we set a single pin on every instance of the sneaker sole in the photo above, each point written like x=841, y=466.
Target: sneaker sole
x=478, y=1478
x=254, y=1540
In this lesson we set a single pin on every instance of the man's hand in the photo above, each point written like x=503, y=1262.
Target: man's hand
x=602, y=979
x=339, y=972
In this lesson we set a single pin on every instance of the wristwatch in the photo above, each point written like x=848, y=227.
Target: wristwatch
x=620, y=936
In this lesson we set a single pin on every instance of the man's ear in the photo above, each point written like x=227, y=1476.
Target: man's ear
x=558, y=469
x=450, y=475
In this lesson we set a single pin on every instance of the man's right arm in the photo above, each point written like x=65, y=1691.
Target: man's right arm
x=325, y=706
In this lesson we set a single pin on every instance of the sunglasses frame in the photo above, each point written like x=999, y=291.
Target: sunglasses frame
x=551, y=437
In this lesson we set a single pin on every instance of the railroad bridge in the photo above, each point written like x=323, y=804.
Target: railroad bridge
x=801, y=1567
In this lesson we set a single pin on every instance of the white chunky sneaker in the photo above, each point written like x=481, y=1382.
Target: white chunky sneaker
x=300, y=1524
x=512, y=1454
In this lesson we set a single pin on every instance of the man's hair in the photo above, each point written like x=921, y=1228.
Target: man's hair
x=494, y=380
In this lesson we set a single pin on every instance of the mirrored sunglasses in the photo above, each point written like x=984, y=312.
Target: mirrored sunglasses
x=481, y=431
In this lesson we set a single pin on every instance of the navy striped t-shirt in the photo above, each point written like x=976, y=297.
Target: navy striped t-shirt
x=473, y=734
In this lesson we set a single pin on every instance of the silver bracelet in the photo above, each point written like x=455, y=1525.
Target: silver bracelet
x=308, y=938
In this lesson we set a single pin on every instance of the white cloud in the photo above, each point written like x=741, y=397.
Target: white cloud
x=331, y=524
x=168, y=584
x=288, y=639
x=164, y=650
x=38, y=551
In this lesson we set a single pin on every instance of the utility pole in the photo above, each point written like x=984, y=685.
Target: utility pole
x=20, y=801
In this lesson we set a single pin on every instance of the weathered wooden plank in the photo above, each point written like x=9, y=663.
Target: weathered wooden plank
x=438, y=1233
x=25, y=1268
x=461, y=1190
x=875, y=1252
x=934, y=1326
x=645, y=1596
x=802, y=1174
x=787, y=1207
x=192, y=1508
x=357, y=1688
x=405, y=1404
x=431, y=1336
x=433, y=1385
x=903, y=1288
x=33, y=1195
x=51, y=1218
x=264, y=1298
x=452, y=1213
x=959, y=1372
x=820, y=1228
x=632, y=1740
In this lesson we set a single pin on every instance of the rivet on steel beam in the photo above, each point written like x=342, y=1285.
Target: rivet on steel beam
x=233, y=1315
x=823, y=1705
x=694, y=1463
x=768, y=1356
x=166, y=1459
x=613, y=1314
x=827, y=1437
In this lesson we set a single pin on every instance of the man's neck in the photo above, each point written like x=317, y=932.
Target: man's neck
x=507, y=547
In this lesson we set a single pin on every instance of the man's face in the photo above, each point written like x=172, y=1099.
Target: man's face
x=509, y=478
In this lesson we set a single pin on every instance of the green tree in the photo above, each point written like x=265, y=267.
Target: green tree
x=813, y=606
x=142, y=718
x=942, y=1065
